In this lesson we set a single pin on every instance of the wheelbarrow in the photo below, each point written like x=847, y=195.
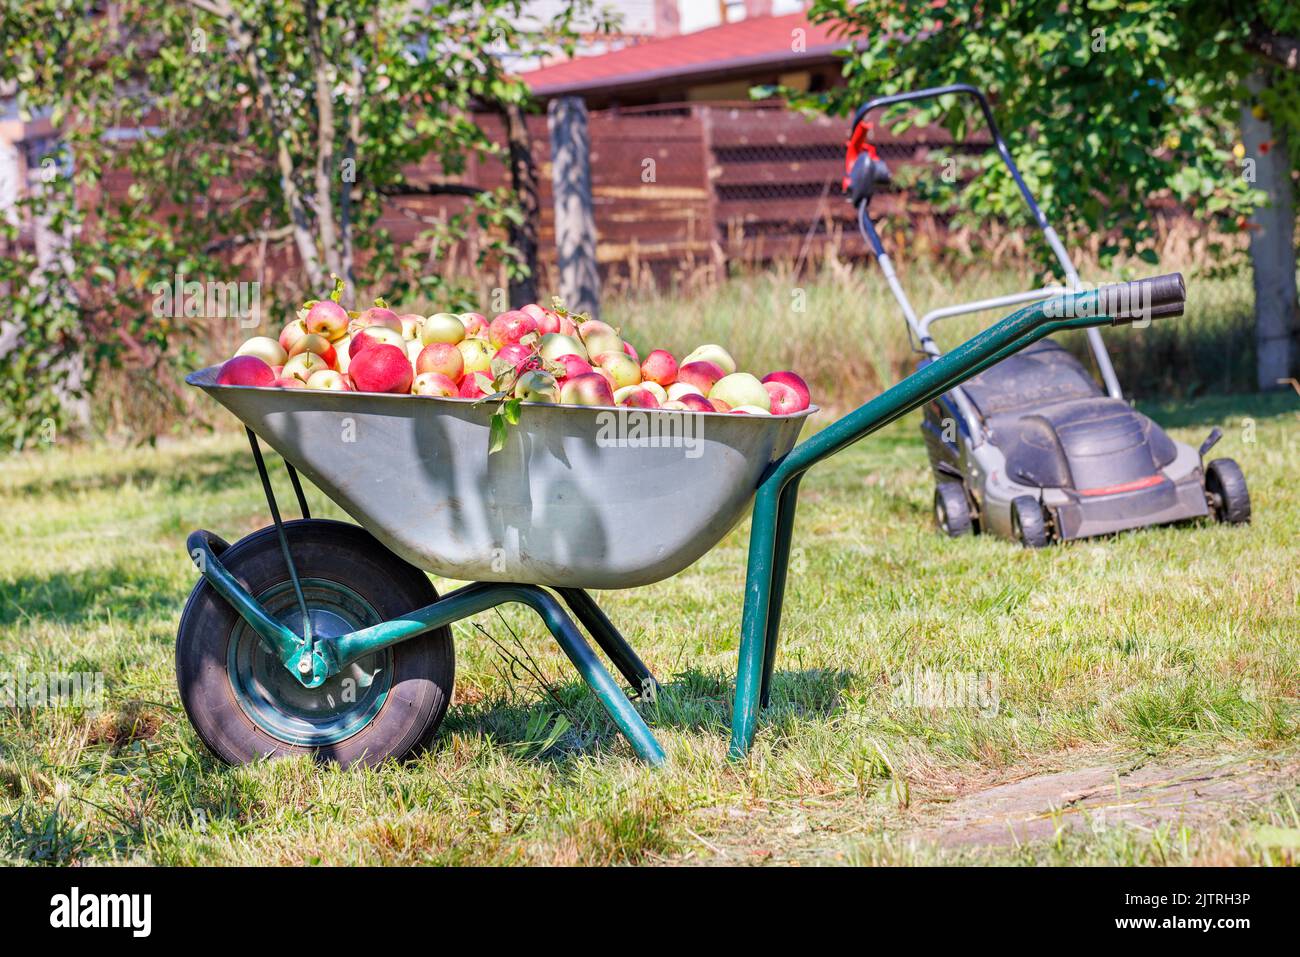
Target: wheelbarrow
x=327, y=638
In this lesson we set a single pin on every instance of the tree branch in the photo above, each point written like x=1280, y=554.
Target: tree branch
x=246, y=239
x=436, y=188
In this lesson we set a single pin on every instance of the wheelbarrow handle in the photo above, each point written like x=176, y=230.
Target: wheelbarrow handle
x=1144, y=299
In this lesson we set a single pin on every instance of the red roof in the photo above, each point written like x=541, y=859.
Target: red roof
x=749, y=43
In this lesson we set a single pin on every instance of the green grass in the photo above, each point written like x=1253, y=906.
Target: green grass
x=1171, y=642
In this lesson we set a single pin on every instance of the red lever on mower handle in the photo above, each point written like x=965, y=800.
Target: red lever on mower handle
x=855, y=146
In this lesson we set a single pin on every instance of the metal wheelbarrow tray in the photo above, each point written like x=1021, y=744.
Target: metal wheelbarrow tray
x=578, y=498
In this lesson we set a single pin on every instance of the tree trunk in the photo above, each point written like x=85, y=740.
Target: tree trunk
x=1272, y=247
x=575, y=223
x=523, y=180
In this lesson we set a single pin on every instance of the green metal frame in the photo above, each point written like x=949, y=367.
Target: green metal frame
x=313, y=659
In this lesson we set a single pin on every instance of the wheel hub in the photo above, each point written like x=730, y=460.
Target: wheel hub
x=274, y=699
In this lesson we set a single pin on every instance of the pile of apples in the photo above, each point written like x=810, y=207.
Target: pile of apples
x=533, y=353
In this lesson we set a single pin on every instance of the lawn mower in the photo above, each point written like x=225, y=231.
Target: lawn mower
x=1034, y=448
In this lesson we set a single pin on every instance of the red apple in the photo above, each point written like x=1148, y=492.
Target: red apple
x=441, y=357
x=589, y=389
x=719, y=405
x=660, y=366
x=546, y=320
x=567, y=328
x=288, y=383
x=469, y=387
x=702, y=374
x=475, y=323
x=510, y=327
x=516, y=353
x=636, y=397
x=573, y=366
x=783, y=399
x=381, y=368
x=794, y=382
x=627, y=347
x=377, y=316
x=245, y=370
x=327, y=318
x=696, y=402
x=364, y=338
x=434, y=383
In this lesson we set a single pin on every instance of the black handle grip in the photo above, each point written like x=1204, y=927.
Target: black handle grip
x=1154, y=298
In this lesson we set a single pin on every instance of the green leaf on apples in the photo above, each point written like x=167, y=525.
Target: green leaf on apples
x=497, y=430
x=339, y=286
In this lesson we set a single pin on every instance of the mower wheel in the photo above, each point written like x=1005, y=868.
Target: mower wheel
x=1225, y=488
x=952, y=509
x=246, y=705
x=1028, y=523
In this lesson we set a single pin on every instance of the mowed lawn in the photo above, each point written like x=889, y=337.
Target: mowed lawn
x=1170, y=645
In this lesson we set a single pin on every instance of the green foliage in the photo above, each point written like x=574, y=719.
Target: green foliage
x=270, y=131
x=1106, y=107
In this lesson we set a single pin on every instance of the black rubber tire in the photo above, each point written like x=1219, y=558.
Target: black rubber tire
x=1028, y=523
x=952, y=509
x=423, y=668
x=1225, y=487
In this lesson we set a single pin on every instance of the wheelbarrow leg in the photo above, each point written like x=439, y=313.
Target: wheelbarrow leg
x=610, y=640
x=780, y=566
x=753, y=624
x=606, y=689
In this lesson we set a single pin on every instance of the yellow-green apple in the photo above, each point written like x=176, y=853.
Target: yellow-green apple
x=573, y=366
x=741, y=388
x=696, y=402
x=749, y=410
x=372, y=335
x=594, y=327
x=719, y=356
x=537, y=386
x=293, y=330
x=556, y=344
x=343, y=353
x=658, y=391
x=312, y=342
x=672, y=405
x=475, y=323
x=636, y=397
x=327, y=318
x=435, y=383
x=679, y=389
x=701, y=374
x=245, y=370
x=303, y=365
x=599, y=342
x=659, y=366
x=411, y=324
x=476, y=355
x=265, y=348
x=288, y=382
x=588, y=389
x=413, y=350
x=441, y=357
x=330, y=379
x=621, y=366
x=795, y=382
x=510, y=327
x=381, y=368
x=442, y=327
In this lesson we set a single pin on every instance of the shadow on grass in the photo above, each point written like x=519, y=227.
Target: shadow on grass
x=1225, y=411
x=199, y=472
x=71, y=598
x=571, y=721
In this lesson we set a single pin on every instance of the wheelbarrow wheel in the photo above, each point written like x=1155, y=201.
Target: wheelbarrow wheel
x=246, y=705
x=952, y=509
x=1225, y=487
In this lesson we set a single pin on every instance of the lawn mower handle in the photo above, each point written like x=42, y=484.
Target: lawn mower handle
x=1143, y=299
